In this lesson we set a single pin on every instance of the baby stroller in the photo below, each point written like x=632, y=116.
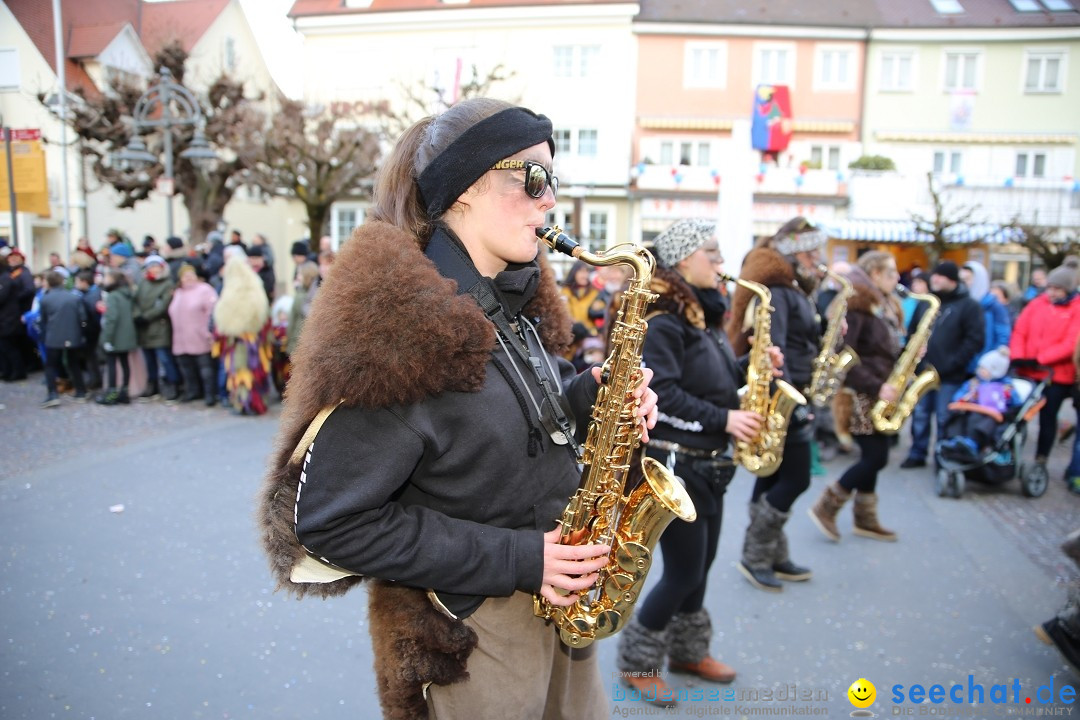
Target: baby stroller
x=1001, y=461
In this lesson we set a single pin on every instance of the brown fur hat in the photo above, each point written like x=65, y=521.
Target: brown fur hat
x=761, y=265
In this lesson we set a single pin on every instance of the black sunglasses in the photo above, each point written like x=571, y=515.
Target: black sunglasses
x=537, y=178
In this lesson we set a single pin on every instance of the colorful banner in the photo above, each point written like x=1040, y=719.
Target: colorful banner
x=770, y=130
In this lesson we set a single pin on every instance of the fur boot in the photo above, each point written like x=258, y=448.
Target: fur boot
x=640, y=658
x=866, y=519
x=759, y=547
x=824, y=511
x=689, y=643
x=783, y=567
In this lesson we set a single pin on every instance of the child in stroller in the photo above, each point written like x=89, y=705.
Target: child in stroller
x=983, y=436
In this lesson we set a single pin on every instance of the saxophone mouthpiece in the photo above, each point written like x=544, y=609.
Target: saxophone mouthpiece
x=559, y=241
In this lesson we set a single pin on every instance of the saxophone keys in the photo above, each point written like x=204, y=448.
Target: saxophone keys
x=608, y=622
x=634, y=558
x=622, y=588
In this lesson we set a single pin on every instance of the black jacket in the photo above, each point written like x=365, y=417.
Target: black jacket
x=695, y=374
x=63, y=319
x=957, y=336
x=453, y=492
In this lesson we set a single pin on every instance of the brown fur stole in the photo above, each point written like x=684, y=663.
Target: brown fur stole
x=387, y=329
x=761, y=265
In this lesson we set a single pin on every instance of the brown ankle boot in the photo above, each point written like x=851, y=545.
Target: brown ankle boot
x=825, y=510
x=866, y=520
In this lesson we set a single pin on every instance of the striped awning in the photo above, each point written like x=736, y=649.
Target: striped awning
x=904, y=231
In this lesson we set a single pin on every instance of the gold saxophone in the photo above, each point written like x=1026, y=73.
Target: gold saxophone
x=886, y=416
x=763, y=455
x=600, y=512
x=832, y=365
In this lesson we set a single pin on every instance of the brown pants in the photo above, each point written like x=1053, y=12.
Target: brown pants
x=520, y=669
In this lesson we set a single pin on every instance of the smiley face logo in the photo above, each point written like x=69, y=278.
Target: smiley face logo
x=862, y=693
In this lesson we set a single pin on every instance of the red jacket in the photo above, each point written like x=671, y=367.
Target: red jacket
x=1047, y=333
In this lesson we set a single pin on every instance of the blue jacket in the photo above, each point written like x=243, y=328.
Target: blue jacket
x=998, y=327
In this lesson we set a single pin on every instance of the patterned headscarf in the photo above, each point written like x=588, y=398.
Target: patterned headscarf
x=681, y=239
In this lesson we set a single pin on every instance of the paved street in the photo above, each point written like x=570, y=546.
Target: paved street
x=165, y=609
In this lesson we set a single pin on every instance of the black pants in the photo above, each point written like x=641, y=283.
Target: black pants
x=862, y=476
x=689, y=548
x=54, y=360
x=790, y=480
x=1055, y=395
x=110, y=370
x=199, y=375
x=12, y=363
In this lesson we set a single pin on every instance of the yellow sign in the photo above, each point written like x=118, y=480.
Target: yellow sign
x=31, y=179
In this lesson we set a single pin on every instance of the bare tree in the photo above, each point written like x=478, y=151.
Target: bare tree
x=319, y=155
x=945, y=217
x=105, y=125
x=1050, y=244
x=429, y=98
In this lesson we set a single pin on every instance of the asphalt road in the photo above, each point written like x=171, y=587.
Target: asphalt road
x=165, y=608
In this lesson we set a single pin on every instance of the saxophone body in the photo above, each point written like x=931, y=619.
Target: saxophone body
x=601, y=512
x=831, y=365
x=888, y=417
x=763, y=455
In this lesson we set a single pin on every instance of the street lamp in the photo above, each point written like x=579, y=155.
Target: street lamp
x=166, y=105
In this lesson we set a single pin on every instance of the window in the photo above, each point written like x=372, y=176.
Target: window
x=1058, y=5
x=598, y=233
x=345, y=221
x=667, y=153
x=1043, y=73
x=9, y=69
x=1030, y=165
x=1025, y=5
x=961, y=70
x=947, y=161
x=947, y=7
x=230, y=54
x=587, y=143
x=815, y=156
x=706, y=65
x=897, y=71
x=834, y=158
x=562, y=141
x=773, y=65
x=685, y=151
x=835, y=69
x=575, y=61
x=704, y=154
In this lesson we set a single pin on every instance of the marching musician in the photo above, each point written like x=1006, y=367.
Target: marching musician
x=696, y=377
x=787, y=264
x=424, y=443
x=874, y=331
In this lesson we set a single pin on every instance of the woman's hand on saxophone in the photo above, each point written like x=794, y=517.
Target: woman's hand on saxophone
x=646, y=409
x=888, y=393
x=743, y=425
x=569, y=568
x=776, y=355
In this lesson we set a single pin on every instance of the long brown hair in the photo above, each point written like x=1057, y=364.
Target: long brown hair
x=396, y=197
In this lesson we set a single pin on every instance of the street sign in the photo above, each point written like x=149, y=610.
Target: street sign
x=26, y=134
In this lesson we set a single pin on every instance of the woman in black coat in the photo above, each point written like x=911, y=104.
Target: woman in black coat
x=874, y=331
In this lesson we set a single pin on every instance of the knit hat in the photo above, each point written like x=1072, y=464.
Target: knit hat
x=153, y=260
x=798, y=235
x=300, y=247
x=121, y=249
x=995, y=363
x=175, y=243
x=680, y=240
x=254, y=251
x=1063, y=277
x=947, y=269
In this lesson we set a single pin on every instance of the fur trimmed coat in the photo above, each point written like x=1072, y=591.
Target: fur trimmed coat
x=389, y=335
x=874, y=327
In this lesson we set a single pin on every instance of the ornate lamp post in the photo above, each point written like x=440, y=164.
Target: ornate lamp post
x=167, y=104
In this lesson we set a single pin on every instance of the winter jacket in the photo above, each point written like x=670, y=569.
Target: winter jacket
x=795, y=326
x=1047, y=333
x=998, y=328
x=63, y=319
x=152, y=298
x=957, y=336
x=301, y=308
x=118, y=324
x=10, y=306
x=266, y=275
x=695, y=374
x=23, y=281
x=189, y=313
x=873, y=322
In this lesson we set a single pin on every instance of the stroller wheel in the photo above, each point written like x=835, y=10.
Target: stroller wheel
x=941, y=483
x=1033, y=480
x=957, y=485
